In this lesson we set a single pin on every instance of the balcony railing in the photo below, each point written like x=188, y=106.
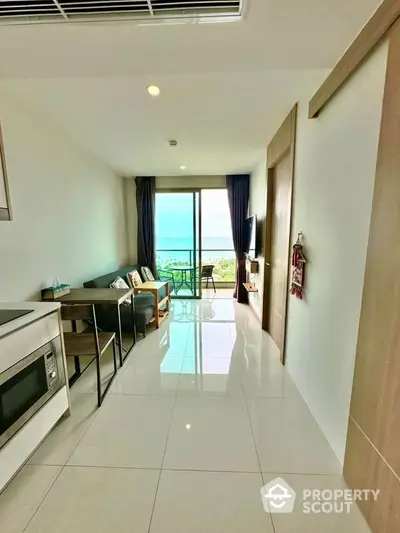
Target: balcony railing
x=224, y=261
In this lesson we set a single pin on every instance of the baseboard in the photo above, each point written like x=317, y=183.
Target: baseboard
x=259, y=320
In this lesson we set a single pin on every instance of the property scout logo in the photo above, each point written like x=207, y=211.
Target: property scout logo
x=279, y=497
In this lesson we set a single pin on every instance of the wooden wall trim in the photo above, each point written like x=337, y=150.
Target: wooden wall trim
x=5, y=214
x=378, y=25
x=283, y=142
x=282, y=139
x=372, y=450
x=366, y=469
x=267, y=249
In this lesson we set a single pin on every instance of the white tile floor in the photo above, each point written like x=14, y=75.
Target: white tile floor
x=201, y=416
x=220, y=292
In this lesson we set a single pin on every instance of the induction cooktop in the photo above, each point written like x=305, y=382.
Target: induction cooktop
x=6, y=315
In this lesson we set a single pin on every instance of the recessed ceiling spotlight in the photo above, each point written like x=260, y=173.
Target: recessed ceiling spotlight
x=153, y=90
x=182, y=167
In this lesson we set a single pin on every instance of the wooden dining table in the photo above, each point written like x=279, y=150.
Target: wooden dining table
x=113, y=297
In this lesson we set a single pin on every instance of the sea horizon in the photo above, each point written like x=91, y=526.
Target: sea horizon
x=180, y=249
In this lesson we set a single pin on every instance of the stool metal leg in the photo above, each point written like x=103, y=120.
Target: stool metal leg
x=98, y=378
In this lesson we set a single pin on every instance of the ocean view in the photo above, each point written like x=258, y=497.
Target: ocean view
x=175, y=239
x=179, y=248
x=178, y=251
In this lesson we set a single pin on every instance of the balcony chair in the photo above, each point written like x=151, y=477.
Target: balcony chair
x=163, y=275
x=207, y=273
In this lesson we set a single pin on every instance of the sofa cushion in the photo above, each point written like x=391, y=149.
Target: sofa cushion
x=119, y=283
x=134, y=279
x=107, y=318
x=144, y=299
x=147, y=274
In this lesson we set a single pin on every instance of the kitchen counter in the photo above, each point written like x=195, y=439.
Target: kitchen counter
x=30, y=348
x=40, y=309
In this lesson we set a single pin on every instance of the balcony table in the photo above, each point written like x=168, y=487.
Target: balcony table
x=184, y=270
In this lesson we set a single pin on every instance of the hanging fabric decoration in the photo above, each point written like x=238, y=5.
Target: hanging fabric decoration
x=298, y=267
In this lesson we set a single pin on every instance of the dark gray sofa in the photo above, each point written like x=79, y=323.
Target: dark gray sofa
x=144, y=304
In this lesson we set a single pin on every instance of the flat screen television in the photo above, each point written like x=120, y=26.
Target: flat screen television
x=251, y=230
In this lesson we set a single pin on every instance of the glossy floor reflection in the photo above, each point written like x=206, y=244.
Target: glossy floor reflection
x=200, y=417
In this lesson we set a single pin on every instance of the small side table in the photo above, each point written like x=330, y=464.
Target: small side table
x=154, y=287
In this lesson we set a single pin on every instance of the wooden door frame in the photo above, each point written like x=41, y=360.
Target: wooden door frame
x=282, y=144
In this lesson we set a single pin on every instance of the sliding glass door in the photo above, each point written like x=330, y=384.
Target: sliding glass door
x=178, y=241
x=216, y=237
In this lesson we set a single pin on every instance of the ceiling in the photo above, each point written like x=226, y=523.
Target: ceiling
x=222, y=121
x=225, y=87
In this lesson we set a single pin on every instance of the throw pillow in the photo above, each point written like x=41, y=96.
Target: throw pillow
x=147, y=274
x=134, y=279
x=119, y=283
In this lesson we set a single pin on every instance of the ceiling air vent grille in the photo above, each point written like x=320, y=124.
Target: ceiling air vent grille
x=39, y=11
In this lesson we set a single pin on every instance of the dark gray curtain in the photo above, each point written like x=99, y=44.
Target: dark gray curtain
x=238, y=197
x=146, y=208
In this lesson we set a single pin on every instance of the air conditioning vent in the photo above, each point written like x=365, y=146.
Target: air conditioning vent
x=194, y=6
x=39, y=11
x=18, y=9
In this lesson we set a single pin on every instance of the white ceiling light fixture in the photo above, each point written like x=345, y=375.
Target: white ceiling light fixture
x=153, y=90
x=182, y=167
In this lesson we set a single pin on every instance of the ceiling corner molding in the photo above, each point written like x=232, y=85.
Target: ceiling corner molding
x=375, y=29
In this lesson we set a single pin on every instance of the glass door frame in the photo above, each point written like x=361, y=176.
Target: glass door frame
x=197, y=237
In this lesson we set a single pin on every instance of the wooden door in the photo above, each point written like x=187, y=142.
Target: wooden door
x=277, y=265
x=280, y=158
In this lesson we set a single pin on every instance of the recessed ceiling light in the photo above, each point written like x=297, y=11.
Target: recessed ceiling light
x=153, y=90
x=182, y=167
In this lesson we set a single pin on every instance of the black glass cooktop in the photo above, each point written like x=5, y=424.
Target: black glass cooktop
x=6, y=315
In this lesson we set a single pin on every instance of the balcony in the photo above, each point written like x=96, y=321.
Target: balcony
x=224, y=262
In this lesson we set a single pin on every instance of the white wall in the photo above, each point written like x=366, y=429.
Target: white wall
x=258, y=185
x=258, y=203
x=335, y=170
x=68, y=209
x=178, y=182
